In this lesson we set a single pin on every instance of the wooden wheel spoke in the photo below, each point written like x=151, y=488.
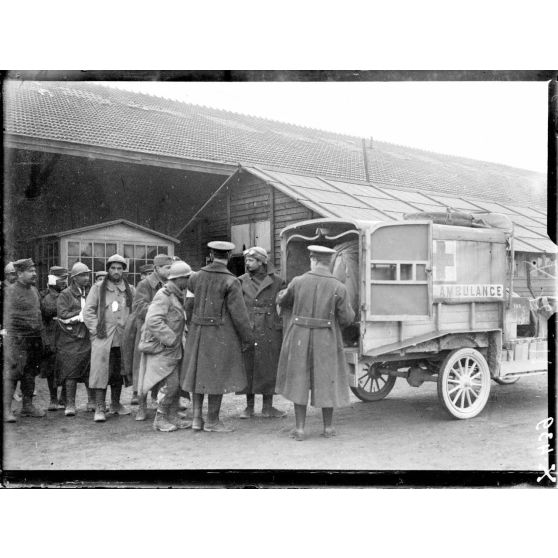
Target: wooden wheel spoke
x=469, y=403
x=453, y=389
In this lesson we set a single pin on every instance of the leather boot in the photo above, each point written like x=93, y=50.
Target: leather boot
x=162, y=424
x=70, y=398
x=115, y=407
x=90, y=400
x=9, y=389
x=174, y=416
x=142, y=407
x=100, y=410
x=29, y=410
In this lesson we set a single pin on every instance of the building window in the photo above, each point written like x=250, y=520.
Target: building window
x=141, y=254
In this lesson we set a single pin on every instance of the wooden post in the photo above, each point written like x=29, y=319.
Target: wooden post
x=272, y=222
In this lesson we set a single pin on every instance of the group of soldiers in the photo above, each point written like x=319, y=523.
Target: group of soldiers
x=178, y=333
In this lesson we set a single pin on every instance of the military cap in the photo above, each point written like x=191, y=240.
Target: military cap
x=9, y=268
x=146, y=268
x=321, y=250
x=257, y=252
x=100, y=274
x=180, y=269
x=24, y=264
x=220, y=246
x=117, y=258
x=162, y=259
x=58, y=271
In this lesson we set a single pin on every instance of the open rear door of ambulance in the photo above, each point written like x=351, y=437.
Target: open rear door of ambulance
x=398, y=271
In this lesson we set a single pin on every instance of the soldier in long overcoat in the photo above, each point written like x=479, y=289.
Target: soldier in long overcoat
x=219, y=331
x=162, y=345
x=260, y=287
x=145, y=292
x=74, y=347
x=106, y=311
x=312, y=358
x=57, y=282
x=23, y=341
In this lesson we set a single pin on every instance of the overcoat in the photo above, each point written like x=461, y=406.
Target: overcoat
x=312, y=356
x=49, y=366
x=261, y=363
x=145, y=291
x=163, y=331
x=220, y=326
x=115, y=320
x=74, y=347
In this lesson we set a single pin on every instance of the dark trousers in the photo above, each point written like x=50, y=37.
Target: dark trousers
x=115, y=368
x=23, y=360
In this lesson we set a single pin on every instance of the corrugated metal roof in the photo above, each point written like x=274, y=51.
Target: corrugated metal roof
x=348, y=200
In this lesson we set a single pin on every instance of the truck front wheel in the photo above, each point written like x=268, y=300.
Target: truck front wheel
x=372, y=385
x=464, y=383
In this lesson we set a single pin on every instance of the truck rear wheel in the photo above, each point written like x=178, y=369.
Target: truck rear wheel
x=464, y=383
x=372, y=385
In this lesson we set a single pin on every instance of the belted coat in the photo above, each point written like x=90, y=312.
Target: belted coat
x=115, y=320
x=145, y=292
x=48, y=311
x=74, y=347
x=164, y=333
x=312, y=358
x=261, y=362
x=213, y=361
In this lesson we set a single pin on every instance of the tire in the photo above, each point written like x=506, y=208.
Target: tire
x=372, y=386
x=464, y=383
x=503, y=381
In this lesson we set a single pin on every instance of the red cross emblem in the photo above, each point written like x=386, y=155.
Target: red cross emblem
x=445, y=260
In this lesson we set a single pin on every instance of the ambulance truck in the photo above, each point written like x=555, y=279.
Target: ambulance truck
x=434, y=303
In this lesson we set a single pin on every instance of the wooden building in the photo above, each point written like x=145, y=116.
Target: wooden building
x=95, y=244
x=254, y=205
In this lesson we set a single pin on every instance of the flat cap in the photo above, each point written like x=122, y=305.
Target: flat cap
x=221, y=245
x=162, y=259
x=256, y=252
x=9, y=268
x=321, y=250
x=22, y=265
x=147, y=268
x=58, y=271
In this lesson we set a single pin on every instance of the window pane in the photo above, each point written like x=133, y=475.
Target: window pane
x=111, y=249
x=71, y=261
x=99, y=264
x=73, y=248
x=140, y=252
x=86, y=249
x=99, y=250
x=163, y=249
x=132, y=266
x=151, y=252
x=406, y=272
x=128, y=250
x=384, y=272
x=421, y=272
x=87, y=261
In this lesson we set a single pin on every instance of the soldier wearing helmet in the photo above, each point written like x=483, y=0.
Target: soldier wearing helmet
x=10, y=275
x=74, y=347
x=145, y=291
x=162, y=345
x=106, y=311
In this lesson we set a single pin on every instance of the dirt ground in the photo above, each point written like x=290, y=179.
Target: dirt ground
x=408, y=430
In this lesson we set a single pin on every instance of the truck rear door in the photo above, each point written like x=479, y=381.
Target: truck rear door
x=397, y=274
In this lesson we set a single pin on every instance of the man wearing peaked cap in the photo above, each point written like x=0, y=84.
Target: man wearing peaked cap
x=73, y=346
x=57, y=282
x=312, y=359
x=162, y=345
x=106, y=311
x=145, y=270
x=145, y=291
x=219, y=331
x=260, y=287
x=23, y=341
